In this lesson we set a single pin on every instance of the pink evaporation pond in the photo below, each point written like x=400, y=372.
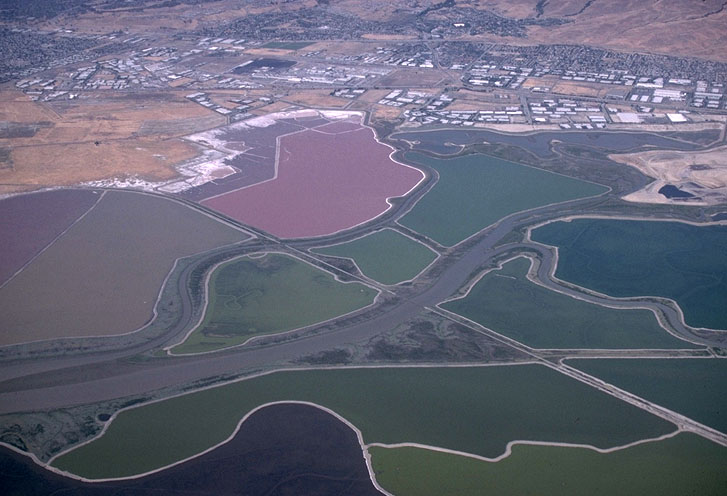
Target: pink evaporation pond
x=325, y=183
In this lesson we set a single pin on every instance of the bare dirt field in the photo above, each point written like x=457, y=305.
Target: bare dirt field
x=17, y=107
x=701, y=174
x=372, y=96
x=414, y=78
x=383, y=113
x=98, y=137
x=344, y=47
x=140, y=21
x=498, y=97
x=272, y=108
x=69, y=164
x=576, y=88
x=316, y=99
x=102, y=277
x=119, y=115
x=462, y=104
x=671, y=27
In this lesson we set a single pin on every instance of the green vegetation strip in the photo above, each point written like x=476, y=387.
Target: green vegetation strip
x=680, y=261
x=684, y=464
x=507, y=302
x=692, y=387
x=386, y=256
x=475, y=191
x=265, y=295
x=471, y=409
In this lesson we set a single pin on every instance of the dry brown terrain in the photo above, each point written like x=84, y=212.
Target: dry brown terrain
x=461, y=104
x=340, y=47
x=704, y=174
x=9, y=189
x=384, y=113
x=73, y=163
x=415, y=78
x=517, y=9
x=580, y=89
x=134, y=22
x=486, y=96
x=180, y=82
x=107, y=134
x=98, y=136
x=224, y=100
x=373, y=96
x=17, y=107
x=383, y=11
x=272, y=108
x=316, y=99
x=540, y=81
x=162, y=15
x=672, y=27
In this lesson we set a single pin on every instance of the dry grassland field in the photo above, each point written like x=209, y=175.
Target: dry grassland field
x=372, y=96
x=272, y=108
x=495, y=97
x=70, y=164
x=466, y=105
x=583, y=89
x=17, y=107
x=99, y=138
x=383, y=113
x=414, y=78
x=164, y=16
x=316, y=99
x=103, y=276
x=671, y=27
